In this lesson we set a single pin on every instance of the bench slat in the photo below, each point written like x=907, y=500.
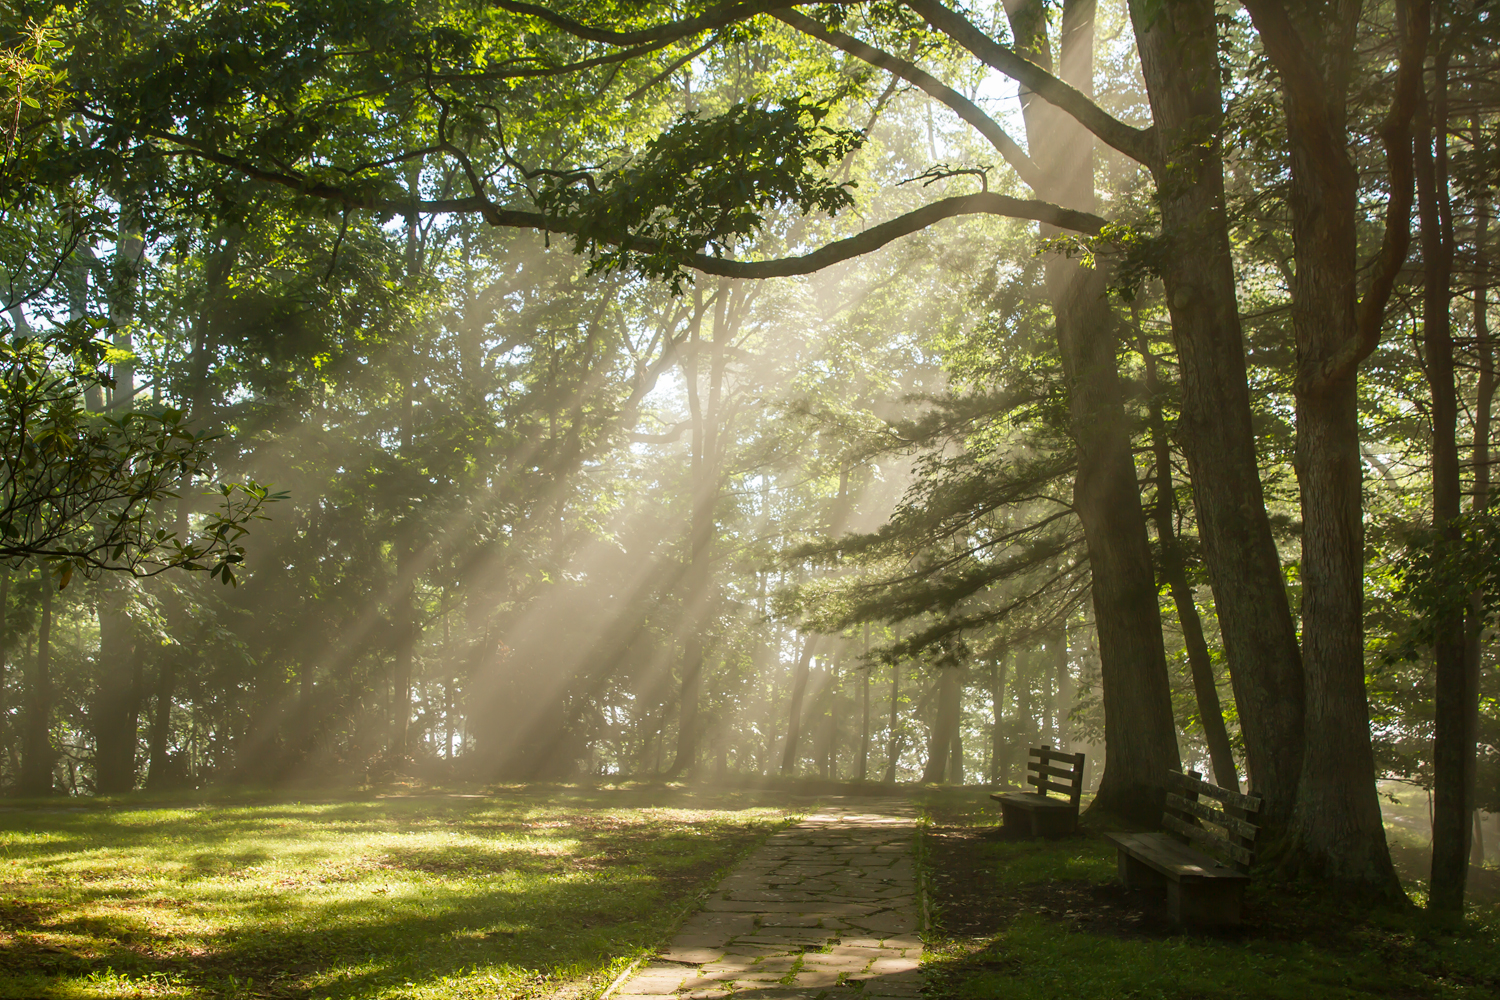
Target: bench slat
x=1173, y=859
x=1210, y=840
x=1031, y=800
x=1047, y=753
x=1211, y=814
x=1249, y=803
x=1049, y=785
x=1056, y=772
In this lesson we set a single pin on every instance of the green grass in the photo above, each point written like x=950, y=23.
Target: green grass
x=415, y=896
x=1300, y=942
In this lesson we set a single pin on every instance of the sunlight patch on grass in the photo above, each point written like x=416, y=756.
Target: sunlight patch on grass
x=421, y=896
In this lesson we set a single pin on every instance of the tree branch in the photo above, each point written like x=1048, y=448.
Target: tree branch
x=1135, y=143
x=984, y=203
x=718, y=17
x=934, y=88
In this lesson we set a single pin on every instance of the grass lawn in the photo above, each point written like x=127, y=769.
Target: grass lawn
x=1035, y=920
x=423, y=896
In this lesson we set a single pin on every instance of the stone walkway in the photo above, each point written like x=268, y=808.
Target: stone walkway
x=826, y=908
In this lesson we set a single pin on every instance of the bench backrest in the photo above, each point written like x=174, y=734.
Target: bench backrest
x=1219, y=826
x=1055, y=771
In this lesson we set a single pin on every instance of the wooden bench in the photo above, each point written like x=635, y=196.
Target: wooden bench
x=1037, y=814
x=1204, y=887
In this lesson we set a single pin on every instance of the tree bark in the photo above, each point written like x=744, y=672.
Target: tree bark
x=37, y=753
x=1178, y=45
x=1140, y=738
x=1453, y=742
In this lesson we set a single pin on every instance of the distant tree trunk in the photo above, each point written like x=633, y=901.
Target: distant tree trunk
x=4, y=655
x=404, y=613
x=697, y=580
x=997, y=724
x=1483, y=416
x=1174, y=574
x=832, y=749
x=956, y=749
x=157, y=767
x=1178, y=45
x=794, y=708
x=893, y=741
x=1140, y=737
x=940, y=744
x=115, y=707
x=37, y=753
x=114, y=713
x=864, y=726
x=1453, y=743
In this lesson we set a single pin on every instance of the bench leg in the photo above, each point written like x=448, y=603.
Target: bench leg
x=1136, y=874
x=1011, y=819
x=1212, y=903
x=1056, y=823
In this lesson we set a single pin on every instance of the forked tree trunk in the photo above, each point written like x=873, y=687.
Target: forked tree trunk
x=1140, y=738
x=1178, y=45
x=1336, y=829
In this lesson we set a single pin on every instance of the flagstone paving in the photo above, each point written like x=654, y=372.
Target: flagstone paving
x=826, y=908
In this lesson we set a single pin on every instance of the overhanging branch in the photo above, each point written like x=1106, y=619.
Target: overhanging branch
x=1133, y=142
x=934, y=88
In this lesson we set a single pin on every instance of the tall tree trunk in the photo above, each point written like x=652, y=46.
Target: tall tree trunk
x=37, y=753
x=1453, y=743
x=794, y=708
x=1178, y=45
x=1174, y=574
x=1140, y=738
x=1336, y=830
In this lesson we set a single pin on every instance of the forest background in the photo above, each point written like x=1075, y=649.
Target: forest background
x=706, y=389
